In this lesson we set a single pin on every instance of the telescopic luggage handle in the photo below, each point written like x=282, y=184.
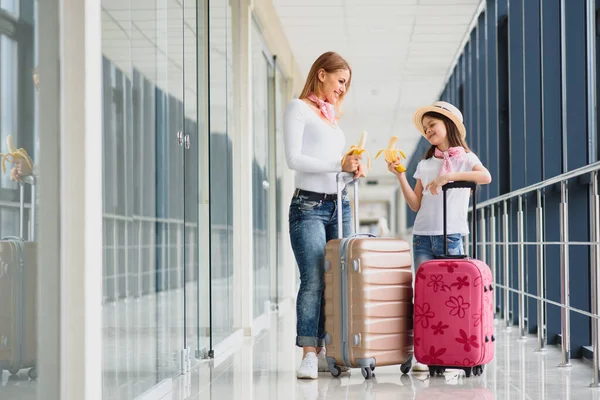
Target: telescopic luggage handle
x=461, y=185
x=31, y=180
x=342, y=179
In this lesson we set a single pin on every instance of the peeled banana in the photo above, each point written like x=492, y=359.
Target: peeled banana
x=14, y=154
x=392, y=154
x=358, y=150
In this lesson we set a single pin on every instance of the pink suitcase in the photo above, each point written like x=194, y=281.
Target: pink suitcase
x=454, y=314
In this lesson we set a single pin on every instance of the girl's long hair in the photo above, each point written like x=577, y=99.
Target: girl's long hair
x=454, y=137
x=329, y=62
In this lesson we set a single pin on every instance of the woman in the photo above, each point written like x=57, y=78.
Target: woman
x=314, y=145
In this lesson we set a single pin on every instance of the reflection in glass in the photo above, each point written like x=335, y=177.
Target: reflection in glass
x=281, y=201
x=197, y=229
x=18, y=179
x=261, y=73
x=12, y=6
x=8, y=105
x=221, y=178
x=150, y=197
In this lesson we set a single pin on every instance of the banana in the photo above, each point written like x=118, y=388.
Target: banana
x=392, y=154
x=358, y=150
x=14, y=154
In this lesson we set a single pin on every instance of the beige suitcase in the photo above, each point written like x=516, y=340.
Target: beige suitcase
x=368, y=300
x=18, y=301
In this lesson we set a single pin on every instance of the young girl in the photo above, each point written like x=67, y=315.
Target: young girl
x=448, y=159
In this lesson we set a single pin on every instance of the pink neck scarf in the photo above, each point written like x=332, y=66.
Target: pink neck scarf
x=454, y=152
x=326, y=108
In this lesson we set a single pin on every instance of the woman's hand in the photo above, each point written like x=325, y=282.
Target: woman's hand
x=20, y=170
x=437, y=183
x=351, y=163
x=360, y=171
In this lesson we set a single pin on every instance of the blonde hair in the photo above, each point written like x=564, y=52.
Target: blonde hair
x=329, y=62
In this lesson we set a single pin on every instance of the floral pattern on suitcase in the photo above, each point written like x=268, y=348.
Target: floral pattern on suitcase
x=453, y=316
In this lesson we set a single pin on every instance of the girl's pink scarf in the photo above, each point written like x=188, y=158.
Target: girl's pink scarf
x=453, y=152
x=326, y=108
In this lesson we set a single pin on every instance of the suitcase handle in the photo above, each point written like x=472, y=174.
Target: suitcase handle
x=31, y=180
x=460, y=185
x=342, y=178
x=355, y=235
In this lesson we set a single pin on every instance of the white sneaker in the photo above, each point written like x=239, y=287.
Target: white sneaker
x=309, y=367
x=418, y=367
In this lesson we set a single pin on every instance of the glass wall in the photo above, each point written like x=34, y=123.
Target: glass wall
x=155, y=247
x=281, y=199
x=262, y=116
x=19, y=138
x=196, y=185
x=221, y=178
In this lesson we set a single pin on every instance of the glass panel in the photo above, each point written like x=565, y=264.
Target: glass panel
x=143, y=194
x=12, y=7
x=196, y=184
x=272, y=187
x=260, y=174
x=281, y=201
x=8, y=108
x=18, y=177
x=220, y=169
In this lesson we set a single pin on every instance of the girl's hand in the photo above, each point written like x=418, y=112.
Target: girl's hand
x=437, y=183
x=392, y=168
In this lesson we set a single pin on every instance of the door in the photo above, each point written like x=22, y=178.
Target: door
x=143, y=195
x=170, y=210
x=195, y=186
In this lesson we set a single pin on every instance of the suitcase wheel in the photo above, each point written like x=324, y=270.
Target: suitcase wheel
x=335, y=371
x=367, y=372
x=33, y=373
x=478, y=370
x=405, y=368
x=439, y=371
x=14, y=371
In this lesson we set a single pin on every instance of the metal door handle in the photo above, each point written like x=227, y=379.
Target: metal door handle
x=187, y=142
x=266, y=185
x=180, y=138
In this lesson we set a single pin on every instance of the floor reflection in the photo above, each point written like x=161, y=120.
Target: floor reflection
x=17, y=387
x=264, y=368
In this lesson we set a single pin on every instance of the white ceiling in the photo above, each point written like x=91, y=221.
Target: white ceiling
x=400, y=52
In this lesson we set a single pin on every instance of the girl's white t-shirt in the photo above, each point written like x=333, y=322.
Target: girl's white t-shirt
x=429, y=220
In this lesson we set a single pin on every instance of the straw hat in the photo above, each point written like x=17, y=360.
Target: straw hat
x=444, y=108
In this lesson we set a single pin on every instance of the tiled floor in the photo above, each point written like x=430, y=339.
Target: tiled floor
x=264, y=369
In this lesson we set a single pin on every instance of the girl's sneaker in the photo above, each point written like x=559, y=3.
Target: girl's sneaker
x=418, y=367
x=308, y=367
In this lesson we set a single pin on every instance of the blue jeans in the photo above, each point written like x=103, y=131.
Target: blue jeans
x=426, y=248
x=312, y=224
